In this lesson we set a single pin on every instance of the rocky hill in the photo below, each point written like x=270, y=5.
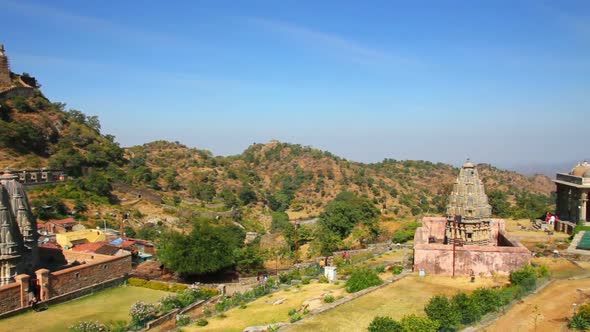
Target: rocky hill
x=275, y=176
x=301, y=180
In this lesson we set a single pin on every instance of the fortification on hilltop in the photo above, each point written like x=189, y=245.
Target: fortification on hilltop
x=5, y=80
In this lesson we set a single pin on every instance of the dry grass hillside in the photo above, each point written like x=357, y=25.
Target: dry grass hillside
x=307, y=179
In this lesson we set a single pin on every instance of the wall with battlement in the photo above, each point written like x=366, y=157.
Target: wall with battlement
x=17, y=91
x=4, y=70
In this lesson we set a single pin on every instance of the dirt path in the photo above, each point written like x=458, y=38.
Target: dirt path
x=553, y=306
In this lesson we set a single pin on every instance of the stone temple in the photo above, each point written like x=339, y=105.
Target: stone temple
x=468, y=241
x=18, y=231
x=469, y=201
x=573, y=189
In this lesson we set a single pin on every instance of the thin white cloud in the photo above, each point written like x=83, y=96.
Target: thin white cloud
x=87, y=23
x=337, y=46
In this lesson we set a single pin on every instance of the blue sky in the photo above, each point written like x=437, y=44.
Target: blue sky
x=504, y=82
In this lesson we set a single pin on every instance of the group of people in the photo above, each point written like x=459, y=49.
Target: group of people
x=550, y=218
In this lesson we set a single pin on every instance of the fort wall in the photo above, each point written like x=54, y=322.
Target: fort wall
x=17, y=91
x=96, y=272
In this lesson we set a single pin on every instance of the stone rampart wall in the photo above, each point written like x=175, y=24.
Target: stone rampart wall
x=139, y=192
x=17, y=91
x=85, y=275
x=10, y=297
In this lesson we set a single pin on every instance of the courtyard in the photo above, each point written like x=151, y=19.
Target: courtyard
x=106, y=306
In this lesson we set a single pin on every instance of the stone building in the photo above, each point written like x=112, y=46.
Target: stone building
x=18, y=231
x=572, y=197
x=469, y=201
x=5, y=80
x=467, y=241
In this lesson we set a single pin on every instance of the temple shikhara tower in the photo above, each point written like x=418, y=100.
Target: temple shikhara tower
x=467, y=241
x=18, y=231
x=4, y=69
x=468, y=212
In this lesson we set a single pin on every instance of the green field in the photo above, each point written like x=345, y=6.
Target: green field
x=108, y=305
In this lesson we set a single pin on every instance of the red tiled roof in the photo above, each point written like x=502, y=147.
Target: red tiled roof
x=49, y=245
x=97, y=247
x=127, y=244
x=63, y=221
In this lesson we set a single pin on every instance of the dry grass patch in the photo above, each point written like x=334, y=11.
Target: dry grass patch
x=407, y=296
x=263, y=312
x=554, y=307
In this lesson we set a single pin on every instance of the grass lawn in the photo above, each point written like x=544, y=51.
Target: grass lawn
x=407, y=296
x=262, y=311
x=108, y=305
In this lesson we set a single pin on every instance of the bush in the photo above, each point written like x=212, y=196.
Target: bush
x=142, y=312
x=405, y=233
x=88, y=326
x=295, y=317
x=395, y=270
x=292, y=312
x=323, y=280
x=202, y=322
x=362, y=278
x=440, y=309
x=136, y=282
x=579, y=323
x=182, y=320
x=384, y=324
x=487, y=299
x=525, y=277
x=380, y=269
x=329, y=299
x=469, y=311
x=413, y=323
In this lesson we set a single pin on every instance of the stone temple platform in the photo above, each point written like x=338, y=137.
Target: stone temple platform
x=502, y=255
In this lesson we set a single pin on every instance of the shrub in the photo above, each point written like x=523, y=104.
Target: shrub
x=440, y=309
x=202, y=322
x=397, y=269
x=384, y=324
x=182, y=320
x=469, y=311
x=579, y=323
x=136, y=282
x=487, y=299
x=292, y=312
x=362, y=278
x=88, y=326
x=329, y=299
x=142, y=312
x=305, y=281
x=323, y=279
x=295, y=317
x=525, y=277
x=380, y=269
x=414, y=323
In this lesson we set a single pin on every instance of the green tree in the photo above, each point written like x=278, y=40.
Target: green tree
x=469, y=310
x=247, y=195
x=341, y=216
x=208, y=248
x=362, y=278
x=499, y=202
x=440, y=309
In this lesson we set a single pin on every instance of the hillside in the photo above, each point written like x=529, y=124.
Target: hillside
x=302, y=180
x=275, y=176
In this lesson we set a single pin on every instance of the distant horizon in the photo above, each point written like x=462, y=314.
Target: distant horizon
x=503, y=83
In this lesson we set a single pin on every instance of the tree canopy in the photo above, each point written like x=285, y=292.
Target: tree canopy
x=207, y=248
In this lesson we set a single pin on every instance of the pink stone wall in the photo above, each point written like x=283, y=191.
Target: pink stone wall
x=9, y=297
x=437, y=258
x=89, y=274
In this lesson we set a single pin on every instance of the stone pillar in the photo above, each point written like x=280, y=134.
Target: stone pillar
x=23, y=280
x=583, y=205
x=44, y=284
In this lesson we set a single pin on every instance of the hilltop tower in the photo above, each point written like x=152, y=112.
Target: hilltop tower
x=468, y=213
x=4, y=69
